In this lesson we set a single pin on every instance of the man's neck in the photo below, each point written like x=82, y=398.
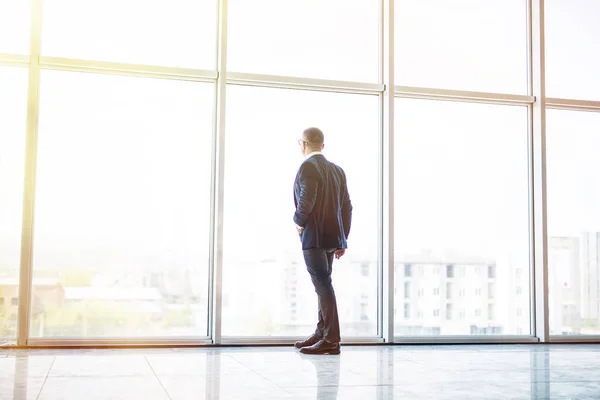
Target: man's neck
x=312, y=153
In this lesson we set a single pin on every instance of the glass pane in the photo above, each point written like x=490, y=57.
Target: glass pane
x=122, y=207
x=462, y=44
x=13, y=106
x=14, y=26
x=572, y=56
x=461, y=217
x=175, y=33
x=573, y=222
x=266, y=288
x=333, y=39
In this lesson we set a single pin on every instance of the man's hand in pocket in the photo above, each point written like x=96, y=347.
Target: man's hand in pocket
x=339, y=253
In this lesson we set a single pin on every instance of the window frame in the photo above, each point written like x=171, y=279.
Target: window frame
x=385, y=88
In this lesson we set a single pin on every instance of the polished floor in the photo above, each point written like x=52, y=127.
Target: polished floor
x=387, y=372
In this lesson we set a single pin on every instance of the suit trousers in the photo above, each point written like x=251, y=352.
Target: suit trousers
x=319, y=263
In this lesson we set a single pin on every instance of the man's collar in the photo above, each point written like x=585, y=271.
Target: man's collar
x=314, y=153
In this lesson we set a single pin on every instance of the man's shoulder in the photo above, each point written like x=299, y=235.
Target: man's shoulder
x=318, y=162
x=337, y=167
x=308, y=166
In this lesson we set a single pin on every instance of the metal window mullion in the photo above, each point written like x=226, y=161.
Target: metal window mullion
x=313, y=84
x=288, y=340
x=125, y=69
x=118, y=342
x=14, y=60
x=216, y=292
x=574, y=105
x=532, y=291
x=412, y=92
x=540, y=317
x=387, y=153
x=26, y=262
x=466, y=339
x=575, y=338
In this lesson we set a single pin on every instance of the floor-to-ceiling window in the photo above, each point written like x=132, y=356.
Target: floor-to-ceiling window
x=571, y=60
x=174, y=33
x=462, y=44
x=461, y=169
x=573, y=140
x=574, y=222
x=14, y=49
x=14, y=27
x=462, y=228
x=124, y=170
x=148, y=151
x=123, y=207
x=333, y=39
x=13, y=106
x=266, y=288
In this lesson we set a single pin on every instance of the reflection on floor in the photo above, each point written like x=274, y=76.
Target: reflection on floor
x=388, y=372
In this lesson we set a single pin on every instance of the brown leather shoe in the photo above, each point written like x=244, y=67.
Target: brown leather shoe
x=322, y=347
x=309, y=341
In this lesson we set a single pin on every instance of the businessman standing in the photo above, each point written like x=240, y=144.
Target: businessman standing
x=323, y=216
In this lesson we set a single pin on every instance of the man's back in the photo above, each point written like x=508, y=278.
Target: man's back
x=323, y=206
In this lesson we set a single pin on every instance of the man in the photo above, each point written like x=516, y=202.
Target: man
x=323, y=216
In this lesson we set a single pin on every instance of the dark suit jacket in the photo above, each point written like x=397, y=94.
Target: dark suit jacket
x=323, y=206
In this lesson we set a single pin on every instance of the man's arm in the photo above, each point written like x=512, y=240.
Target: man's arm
x=309, y=184
x=346, y=216
x=346, y=210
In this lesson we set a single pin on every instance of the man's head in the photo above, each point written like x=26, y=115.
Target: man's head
x=312, y=140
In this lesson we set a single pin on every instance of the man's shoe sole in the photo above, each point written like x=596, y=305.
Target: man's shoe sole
x=332, y=352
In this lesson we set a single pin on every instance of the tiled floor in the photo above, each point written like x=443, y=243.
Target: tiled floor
x=390, y=372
